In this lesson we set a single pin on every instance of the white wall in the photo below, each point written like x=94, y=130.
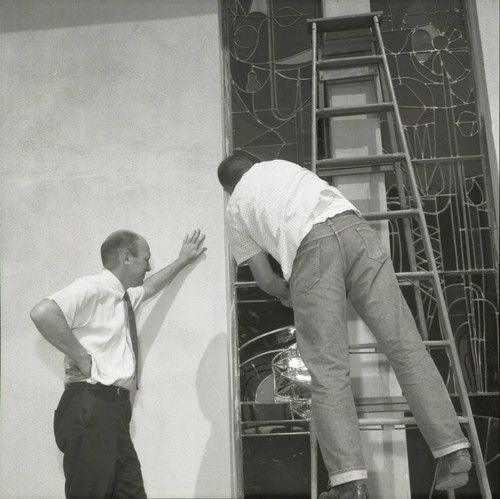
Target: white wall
x=112, y=118
x=485, y=16
x=487, y=11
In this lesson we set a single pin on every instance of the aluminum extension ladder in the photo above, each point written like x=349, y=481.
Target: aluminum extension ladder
x=333, y=49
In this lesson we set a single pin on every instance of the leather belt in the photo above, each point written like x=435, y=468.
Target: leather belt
x=83, y=385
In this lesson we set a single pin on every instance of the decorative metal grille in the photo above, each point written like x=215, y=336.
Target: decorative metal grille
x=270, y=79
x=430, y=61
x=270, y=65
x=429, y=55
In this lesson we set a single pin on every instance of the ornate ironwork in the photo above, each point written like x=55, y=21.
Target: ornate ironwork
x=270, y=64
x=429, y=56
x=428, y=50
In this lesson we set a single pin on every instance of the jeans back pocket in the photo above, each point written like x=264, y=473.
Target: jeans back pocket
x=372, y=243
x=306, y=268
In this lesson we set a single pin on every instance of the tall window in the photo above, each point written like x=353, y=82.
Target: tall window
x=270, y=66
x=269, y=77
x=269, y=59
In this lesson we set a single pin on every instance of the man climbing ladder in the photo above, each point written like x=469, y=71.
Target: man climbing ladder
x=328, y=252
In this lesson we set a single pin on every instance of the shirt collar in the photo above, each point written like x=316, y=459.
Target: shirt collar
x=114, y=282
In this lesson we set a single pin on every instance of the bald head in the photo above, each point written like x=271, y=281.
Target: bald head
x=233, y=168
x=115, y=244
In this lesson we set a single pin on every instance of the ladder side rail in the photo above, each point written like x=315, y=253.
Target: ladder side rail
x=444, y=319
x=408, y=235
x=314, y=145
x=313, y=442
x=323, y=124
x=314, y=139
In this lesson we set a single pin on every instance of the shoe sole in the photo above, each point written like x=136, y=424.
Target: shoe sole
x=454, y=481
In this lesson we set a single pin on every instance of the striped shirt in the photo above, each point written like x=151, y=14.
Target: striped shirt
x=274, y=206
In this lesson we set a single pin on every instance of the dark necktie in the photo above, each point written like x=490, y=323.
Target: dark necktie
x=133, y=335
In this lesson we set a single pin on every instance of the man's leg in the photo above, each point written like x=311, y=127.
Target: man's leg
x=88, y=439
x=91, y=427
x=319, y=303
x=128, y=482
x=374, y=292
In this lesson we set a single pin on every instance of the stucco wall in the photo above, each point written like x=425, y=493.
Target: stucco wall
x=112, y=118
x=484, y=16
x=488, y=14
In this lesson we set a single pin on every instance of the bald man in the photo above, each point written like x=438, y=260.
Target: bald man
x=92, y=321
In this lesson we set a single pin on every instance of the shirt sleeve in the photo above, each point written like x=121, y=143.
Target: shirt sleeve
x=136, y=296
x=75, y=302
x=242, y=244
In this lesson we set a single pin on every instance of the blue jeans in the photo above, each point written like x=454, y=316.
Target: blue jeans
x=342, y=258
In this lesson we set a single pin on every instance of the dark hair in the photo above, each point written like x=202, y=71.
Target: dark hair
x=116, y=242
x=234, y=167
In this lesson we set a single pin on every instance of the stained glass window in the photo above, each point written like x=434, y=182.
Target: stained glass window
x=430, y=61
x=269, y=77
x=270, y=66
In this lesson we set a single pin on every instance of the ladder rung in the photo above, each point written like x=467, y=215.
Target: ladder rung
x=380, y=400
x=364, y=422
x=343, y=23
x=275, y=422
x=335, y=172
x=389, y=215
x=375, y=347
x=381, y=404
x=414, y=276
x=348, y=62
x=381, y=159
x=331, y=112
x=436, y=343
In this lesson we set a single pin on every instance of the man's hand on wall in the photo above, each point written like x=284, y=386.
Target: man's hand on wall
x=192, y=246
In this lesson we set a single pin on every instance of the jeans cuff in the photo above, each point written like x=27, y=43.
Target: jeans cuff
x=340, y=477
x=453, y=447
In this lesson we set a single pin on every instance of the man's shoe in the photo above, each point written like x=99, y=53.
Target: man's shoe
x=452, y=470
x=349, y=490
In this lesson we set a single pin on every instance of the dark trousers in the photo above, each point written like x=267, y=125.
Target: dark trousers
x=91, y=427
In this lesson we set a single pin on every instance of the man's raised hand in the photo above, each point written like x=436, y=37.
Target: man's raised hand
x=192, y=246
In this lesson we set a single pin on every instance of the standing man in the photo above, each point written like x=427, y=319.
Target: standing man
x=328, y=252
x=92, y=322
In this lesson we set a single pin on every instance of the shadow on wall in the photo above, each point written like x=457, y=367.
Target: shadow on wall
x=212, y=389
x=31, y=15
x=154, y=321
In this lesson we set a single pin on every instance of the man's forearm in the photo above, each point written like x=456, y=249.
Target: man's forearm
x=192, y=248
x=275, y=286
x=266, y=278
x=163, y=277
x=51, y=323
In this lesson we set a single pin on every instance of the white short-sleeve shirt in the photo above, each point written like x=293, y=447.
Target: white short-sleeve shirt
x=96, y=313
x=274, y=206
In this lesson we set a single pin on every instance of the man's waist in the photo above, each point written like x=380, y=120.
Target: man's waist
x=83, y=385
x=332, y=225
x=329, y=216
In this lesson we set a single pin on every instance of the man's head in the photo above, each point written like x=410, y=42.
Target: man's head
x=233, y=168
x=127, y=255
